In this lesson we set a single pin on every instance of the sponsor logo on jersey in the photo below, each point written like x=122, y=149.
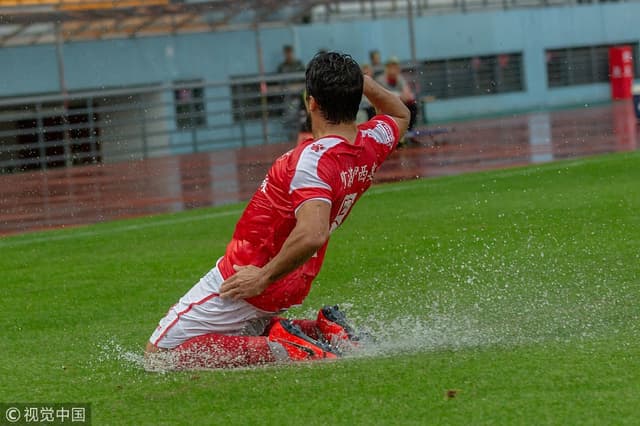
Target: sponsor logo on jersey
x=357, y=174
x=381, y=133
x=263, y=185
x=346, y=205
x=317, y=147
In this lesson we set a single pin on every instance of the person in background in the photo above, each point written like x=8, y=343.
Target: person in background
x=290, y=63
x=374, y=58
x=376, y=63
x=393, y=81
x=293, y=111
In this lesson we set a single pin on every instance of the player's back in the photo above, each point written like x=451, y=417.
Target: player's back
x=329, y=169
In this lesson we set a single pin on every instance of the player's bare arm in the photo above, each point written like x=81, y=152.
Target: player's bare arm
x=407, y=94
x=309, y=235
x=385, y=102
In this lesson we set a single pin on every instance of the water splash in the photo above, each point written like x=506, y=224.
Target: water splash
x=111, y=350
x=415, y=334
x=503, y=316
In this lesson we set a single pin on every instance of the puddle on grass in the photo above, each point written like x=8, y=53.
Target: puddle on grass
x=500, y=321
x=111, y=350
x=495, y=299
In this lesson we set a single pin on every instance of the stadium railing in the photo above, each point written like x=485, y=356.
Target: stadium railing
x=98, y=126
x=88, y=127
x=81, y=4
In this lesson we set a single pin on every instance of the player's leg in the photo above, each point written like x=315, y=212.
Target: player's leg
x=337, y=330
x=285, y=342
x=202, y=311
x=307, y=326
x=221, y=351
x=205, y=331
x=331, y=326
x=287, y=339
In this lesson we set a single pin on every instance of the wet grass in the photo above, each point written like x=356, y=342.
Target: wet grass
x=519, y=289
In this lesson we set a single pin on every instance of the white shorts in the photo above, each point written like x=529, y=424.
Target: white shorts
x=202, y=311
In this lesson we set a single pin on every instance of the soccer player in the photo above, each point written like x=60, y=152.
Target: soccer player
x=231, y=316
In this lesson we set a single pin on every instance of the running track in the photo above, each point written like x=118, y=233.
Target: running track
x=90, y=194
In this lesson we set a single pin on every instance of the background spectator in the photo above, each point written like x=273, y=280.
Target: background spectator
x=376, y=62
x=393, y=80
x=290, y=63
x=294, y=114
x=374, y=58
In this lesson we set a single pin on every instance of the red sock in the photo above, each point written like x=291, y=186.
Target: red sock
x=308, y=327
x=220, y=351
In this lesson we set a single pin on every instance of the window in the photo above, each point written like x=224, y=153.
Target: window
x=472, y=76
x=190, y=108
x=246, y=101
x=49, y=135
x=581, y=65
x=279, y=100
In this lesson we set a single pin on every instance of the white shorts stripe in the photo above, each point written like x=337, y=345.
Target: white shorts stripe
x=202, y=311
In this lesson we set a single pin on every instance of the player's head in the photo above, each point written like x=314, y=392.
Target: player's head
x=334, y=86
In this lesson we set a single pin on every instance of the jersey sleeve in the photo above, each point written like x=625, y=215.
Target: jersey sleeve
x=385, y=134
x=311, y=179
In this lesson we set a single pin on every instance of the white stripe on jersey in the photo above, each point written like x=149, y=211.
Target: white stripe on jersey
x=306, y=175
x=326, y=200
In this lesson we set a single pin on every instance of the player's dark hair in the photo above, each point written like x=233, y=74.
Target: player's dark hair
x=335, y=82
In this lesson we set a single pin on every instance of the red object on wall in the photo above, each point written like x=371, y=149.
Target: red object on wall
x=621, y=72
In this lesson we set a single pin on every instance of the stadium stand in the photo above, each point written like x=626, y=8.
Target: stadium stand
x=181, y=96
x=34, y=21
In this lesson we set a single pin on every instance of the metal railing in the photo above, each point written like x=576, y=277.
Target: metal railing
x=135, y=123
x=366, y=9
x=114, y=125
x=35, y=22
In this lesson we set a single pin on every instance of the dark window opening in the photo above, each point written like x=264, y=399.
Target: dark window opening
x=471, y=76
x=582, y=65
x=190, y=108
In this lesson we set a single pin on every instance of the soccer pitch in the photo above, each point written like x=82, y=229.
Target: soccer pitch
x=518, y=289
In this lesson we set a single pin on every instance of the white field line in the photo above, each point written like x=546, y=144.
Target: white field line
x=376, y=190
x=8, y=242
x=48, y=236
x=392, y=187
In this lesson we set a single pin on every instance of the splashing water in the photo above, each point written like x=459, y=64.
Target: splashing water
x=414, y=334
x=111, y=350
x=505, y=320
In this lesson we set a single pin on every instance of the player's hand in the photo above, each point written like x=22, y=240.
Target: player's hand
x=248, y=281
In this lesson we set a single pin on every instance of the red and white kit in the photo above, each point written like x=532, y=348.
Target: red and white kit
x=328, y=169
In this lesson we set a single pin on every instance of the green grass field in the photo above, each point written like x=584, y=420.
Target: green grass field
x=519, y=288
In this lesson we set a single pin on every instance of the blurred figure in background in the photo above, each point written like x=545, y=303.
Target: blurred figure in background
x=290, y=63
x=293, y=112
x=376, y=62
x=374, y=58
x=393, y=81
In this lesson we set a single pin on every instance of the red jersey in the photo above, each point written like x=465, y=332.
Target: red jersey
x=328, y=169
